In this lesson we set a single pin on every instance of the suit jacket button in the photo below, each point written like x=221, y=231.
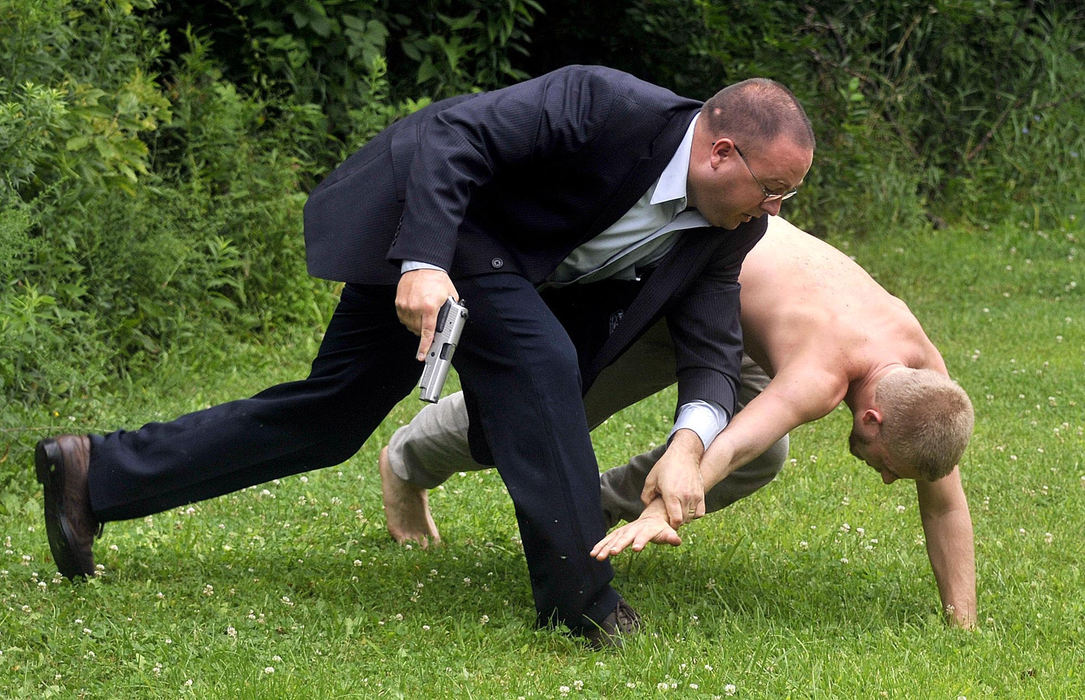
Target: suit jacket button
x=497, y=263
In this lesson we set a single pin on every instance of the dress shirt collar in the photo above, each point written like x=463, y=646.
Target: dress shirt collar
x=672, y=183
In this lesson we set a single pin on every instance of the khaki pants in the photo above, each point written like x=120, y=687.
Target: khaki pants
x=433, y=446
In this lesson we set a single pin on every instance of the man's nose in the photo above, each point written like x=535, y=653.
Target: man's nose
x=772, y=207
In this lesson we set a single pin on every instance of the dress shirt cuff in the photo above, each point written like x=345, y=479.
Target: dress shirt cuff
x=706, y=418
x=409, y=265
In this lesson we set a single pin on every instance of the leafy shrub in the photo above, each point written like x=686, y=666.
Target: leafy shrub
x=911, y=101
x=141, y=217
x=361, y=63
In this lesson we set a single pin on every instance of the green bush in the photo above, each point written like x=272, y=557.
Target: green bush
x=154, y=156
x=362, y=63
x=142, y=216
x=919, y=106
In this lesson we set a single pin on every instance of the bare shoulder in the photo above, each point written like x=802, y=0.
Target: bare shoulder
x=810, y=384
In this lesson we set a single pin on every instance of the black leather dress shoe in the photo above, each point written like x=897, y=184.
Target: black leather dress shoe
x=62, y=464
x=622, y=622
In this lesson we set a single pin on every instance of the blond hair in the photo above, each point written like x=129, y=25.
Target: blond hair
x=927, y=420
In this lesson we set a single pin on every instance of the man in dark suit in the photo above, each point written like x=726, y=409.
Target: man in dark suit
x=583, y=179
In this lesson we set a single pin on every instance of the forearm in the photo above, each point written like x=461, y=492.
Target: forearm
x=951, y=552
x=754, y=429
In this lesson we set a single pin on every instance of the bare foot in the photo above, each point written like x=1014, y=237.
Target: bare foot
x=406, y=508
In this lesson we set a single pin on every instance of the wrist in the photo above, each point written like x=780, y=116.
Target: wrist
x=687, y=442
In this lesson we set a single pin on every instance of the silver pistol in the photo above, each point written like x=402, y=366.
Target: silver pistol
x=450, y=322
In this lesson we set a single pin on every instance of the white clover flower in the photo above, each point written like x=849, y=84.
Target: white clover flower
x=729, y=689
x=269, y=669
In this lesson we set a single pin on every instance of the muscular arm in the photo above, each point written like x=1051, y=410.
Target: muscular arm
x=787, y=402
x=947, y=525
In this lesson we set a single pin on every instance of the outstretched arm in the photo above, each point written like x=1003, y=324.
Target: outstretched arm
x=790, y=399
x=768, y=417
x=947, y=525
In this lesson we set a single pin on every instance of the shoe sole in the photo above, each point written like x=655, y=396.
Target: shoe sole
x=47, y=458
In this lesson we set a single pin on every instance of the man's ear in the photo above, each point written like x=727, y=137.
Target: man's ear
x=871, y=416
x=721, y=149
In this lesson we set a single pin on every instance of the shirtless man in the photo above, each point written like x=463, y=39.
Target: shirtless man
x=825, y=332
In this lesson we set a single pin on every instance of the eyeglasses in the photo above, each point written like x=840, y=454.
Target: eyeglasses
x=770, y=196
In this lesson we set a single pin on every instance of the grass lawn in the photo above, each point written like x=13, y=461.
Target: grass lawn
x=817, y=586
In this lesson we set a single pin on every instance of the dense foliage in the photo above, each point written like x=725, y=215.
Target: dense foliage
x=155, y=156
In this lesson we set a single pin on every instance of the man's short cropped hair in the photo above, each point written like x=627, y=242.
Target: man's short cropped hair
x=927, y=420
x=756, y=112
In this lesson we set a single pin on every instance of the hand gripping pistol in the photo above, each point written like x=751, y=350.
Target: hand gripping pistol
x=450, y=322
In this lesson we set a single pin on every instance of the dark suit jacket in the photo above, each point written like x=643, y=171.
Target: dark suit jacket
x=512, y=181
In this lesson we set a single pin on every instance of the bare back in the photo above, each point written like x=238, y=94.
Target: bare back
x=813, y=316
